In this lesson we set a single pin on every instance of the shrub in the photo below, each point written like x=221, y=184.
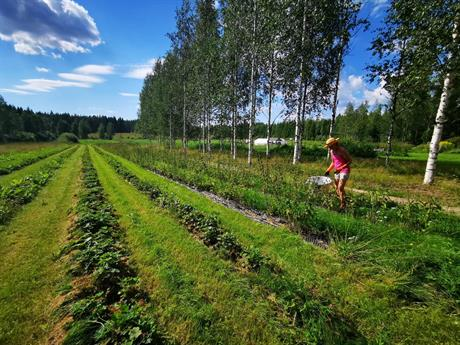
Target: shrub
x=21, y=136
x=446, y=146
x=401, y=149
x=359, y=149
x=421, y=148
x=69, y=138
x=46, y=136
x=455, y=141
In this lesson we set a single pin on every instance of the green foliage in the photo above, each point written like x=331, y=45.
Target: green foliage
x=110, y=310
x=205, y=226
x=321, y=323
x=68, y=138
x=17, y=160
x=22, y=191
x=18, y=124
x=446, y=146
x=455, y=141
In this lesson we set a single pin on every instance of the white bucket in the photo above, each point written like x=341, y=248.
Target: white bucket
x=319, y=180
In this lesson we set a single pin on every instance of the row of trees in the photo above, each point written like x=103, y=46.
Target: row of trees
x=18, y=124
x=226, y=63
x=229, y=62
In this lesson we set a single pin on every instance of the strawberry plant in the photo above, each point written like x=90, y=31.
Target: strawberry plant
x=112, y=310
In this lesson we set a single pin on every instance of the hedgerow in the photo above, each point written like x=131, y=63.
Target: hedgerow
x=112, y=307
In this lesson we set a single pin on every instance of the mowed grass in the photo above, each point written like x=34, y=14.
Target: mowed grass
x=199, y=297
x=366, y=292
x=30, y=169
x=29, y=275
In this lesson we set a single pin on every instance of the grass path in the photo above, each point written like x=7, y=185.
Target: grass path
x=364, y=293
x=399, y=200
x=29, y=275
x=199, y=297
x=29, y=169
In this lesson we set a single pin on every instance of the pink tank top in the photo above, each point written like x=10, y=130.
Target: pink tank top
x=338, y=162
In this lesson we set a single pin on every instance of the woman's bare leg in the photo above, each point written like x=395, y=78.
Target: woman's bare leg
x=341, y=192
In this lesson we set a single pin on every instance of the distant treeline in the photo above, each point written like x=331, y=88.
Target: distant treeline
x=18, y=124
x=355, y=123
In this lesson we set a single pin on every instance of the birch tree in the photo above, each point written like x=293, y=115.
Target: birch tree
x=182, y=40
x=441, y=113
x=348, y=23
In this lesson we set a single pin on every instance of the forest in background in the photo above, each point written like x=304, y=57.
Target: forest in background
x=18, y=124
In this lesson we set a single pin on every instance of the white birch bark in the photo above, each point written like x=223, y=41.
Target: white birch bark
x=437, y=131
x=439, y=122
x=184, y=117
x=297, y=141
x=270, y=98
x=253, y=87
x=336, y=94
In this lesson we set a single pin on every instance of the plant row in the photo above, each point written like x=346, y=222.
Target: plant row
x=14, y=161
x=291, y=293
x=22, y=191
x=427, y=260
x=280, y=190
x=206, y=227
x=111, y=307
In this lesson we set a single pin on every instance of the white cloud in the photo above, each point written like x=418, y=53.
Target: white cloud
x=141, y=71
x=127, y=94
x=377, y=96
x=81, y=77
x=46, y=27
x=356, y=82
x=42, y=69
x=19, y=92
x=378, y=6
x=95, y=69
x=47, y=85
x=354, y=90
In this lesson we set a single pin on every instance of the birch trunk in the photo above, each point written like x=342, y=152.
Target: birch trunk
x=233, y=145
x=203, y=129
x=440, y=120
x=297, y=139
x=208, y=131
x=170, y=131
x=270, y=97
x=184, y=116
x=253, y=87
x=437, y=131
x=336, y=94
x=389, y=140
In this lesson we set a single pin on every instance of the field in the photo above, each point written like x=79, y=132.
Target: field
x=128, y=242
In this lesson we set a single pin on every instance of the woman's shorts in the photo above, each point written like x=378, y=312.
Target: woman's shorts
x=342, y=176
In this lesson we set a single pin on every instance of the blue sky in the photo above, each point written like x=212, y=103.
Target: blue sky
x=90, y=56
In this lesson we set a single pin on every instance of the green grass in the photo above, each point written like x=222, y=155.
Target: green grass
x=423, y=156
x=25, y=146
x=30, y=169
x=29, y=275
x=199, y=298
x=367, y=288
x=14, y=161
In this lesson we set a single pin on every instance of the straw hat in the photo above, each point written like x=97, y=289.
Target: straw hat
x=331, y=141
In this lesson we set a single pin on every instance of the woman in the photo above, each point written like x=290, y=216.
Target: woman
x=341, y=161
